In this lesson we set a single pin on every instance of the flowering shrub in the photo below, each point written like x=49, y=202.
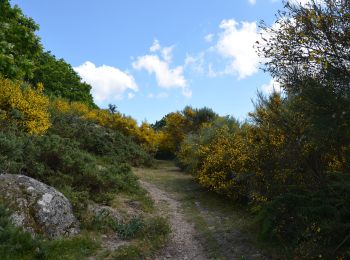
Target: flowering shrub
x=24, y=106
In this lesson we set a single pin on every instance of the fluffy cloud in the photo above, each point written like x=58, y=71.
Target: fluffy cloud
x=271, y=86
x=155, y=46
x=209, y=37
x=158, y=96
x=108, y=83
x=131, y=95
x=160, y=66
x=195, y=63
x=236, y=43
x=167, y=53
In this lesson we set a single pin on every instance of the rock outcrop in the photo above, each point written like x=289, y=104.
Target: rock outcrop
x=37, y=207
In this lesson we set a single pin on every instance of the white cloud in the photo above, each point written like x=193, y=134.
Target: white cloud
x=131, y=95
x=166, y=77
x=155, y=46
x=211, y=72
x=195, y=62
x=209, y=37
x=273, y=85
x=167, y=53
x=253, y=2
x=302, y=2
x=159, y=95
x=236, y=43
x=107, y=82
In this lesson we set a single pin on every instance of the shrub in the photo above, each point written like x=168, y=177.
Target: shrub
x=310, y=224
x=18, y=244
x=15, y=243
x=98, y=140
x=105, y=221
x=59, y=162
x=24, y=106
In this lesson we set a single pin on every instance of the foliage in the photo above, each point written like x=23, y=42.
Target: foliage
x=315, y=37
x=24, y=106
x=116, y=122
x=59, y=162
x=308, y=54
x=290, y=161
x=60, y=80
x=153, y=236
x=98, y=140
x=310, y=224
x=105, y=221
x=18, y=244
x=175, y=126
x=18, y=43
x=14, y=243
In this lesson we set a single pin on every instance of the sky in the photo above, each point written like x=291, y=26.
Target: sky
x=153, y=57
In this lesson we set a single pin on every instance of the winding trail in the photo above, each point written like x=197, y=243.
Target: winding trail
x=183, y=243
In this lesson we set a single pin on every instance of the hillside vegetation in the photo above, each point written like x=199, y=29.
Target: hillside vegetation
x=52, y=131
x=287, y=164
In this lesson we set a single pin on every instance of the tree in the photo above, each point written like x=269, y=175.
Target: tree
x=309, y=41
x=19, y=46
x=60, y=79
x=308, y=52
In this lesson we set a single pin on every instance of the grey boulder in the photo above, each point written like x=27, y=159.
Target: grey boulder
x=37, y=207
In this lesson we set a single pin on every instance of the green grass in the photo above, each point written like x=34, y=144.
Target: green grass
x=149, y=240
x=214, y=216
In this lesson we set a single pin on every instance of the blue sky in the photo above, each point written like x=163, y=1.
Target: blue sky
x=157, y=56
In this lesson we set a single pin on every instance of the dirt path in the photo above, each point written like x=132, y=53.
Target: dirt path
x=205, y=225
x=183, y=243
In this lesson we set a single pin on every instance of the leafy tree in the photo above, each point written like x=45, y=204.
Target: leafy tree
x=60, y=80
x=309, y=41
x=309, y=53
x=19, y=46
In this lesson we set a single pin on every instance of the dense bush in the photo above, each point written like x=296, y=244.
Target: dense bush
x=61, y=163
x=144, y=135
x=24, y=106
x=174, y=127
x=310, y=224
x=99, y=140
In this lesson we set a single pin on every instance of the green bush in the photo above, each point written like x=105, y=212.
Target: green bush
x=60, y=162
x=310, y=224
x=98, y=140
x=105, y=221
x=16, y=244
x=153, y=235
